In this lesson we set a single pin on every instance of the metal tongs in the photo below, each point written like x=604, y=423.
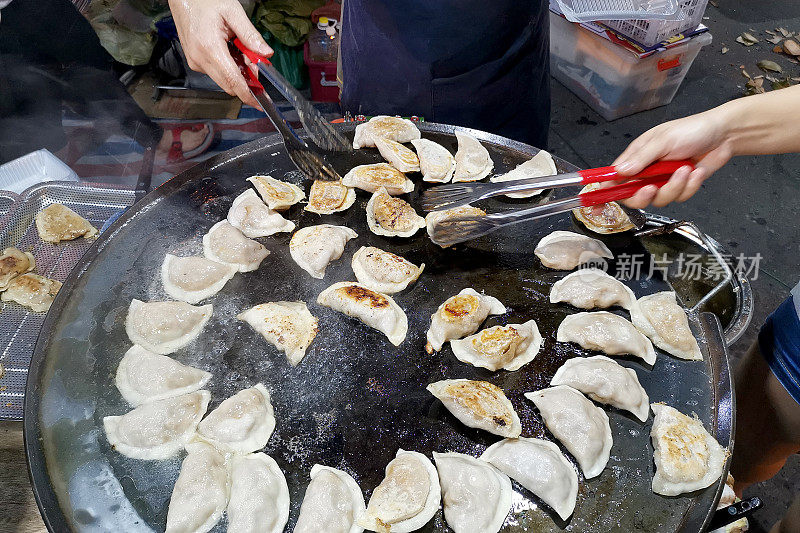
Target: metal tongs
x=310, y=161
x=453, y=230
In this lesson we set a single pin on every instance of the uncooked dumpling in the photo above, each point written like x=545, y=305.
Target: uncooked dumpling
x=193, y=279
x=476, y=496
x=56, y=223
x=289, y=326
x=164, y=327
x=394, y=128
x=406, y=499
x=384, y=271
x=435, y=217
x=507, y=347
x=314, y=247
x=392, y=217
x=32, y=290
x=259, y=500
x=665, y=322
x=580, y=425
x=398, y=155
x=436, y=162
x=478, y=404
x=332, y=503
x=687, y=457
x=541, y=164
x=603, y=218
x=252, y=216
x=201, y=491
x=591, y=288
x=565, y=250
x=374, y=309
x=14, y=262
x=472, y=159
x=460, y=315
x=327, y=197
x=372, y=177
x=606, y=332
x=226, y=244
x=605, y=381
x=143, y=376
x=242, y=423
x=277, y=194
x=539, y=466
x=159, y=429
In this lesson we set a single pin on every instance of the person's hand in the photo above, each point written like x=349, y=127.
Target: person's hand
x=204, y=28
x=701, y=138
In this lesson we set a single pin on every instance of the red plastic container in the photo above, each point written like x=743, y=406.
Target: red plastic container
x=322, y=75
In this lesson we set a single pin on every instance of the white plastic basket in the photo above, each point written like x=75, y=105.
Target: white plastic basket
x=651, y=32
x=33, y=168
x=591, y=10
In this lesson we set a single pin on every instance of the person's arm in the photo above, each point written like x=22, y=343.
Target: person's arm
x=204, y=28
x=761, y=124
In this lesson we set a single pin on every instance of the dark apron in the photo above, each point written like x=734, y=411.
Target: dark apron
x=475, y=63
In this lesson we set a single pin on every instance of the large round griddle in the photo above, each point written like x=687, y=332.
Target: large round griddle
x=355, y=399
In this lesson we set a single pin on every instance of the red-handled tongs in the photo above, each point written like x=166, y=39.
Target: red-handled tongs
x=453, y=230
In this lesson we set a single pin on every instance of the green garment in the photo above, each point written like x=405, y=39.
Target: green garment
x=289, y=21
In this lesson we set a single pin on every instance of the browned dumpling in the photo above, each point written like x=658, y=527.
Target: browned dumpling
x=603, y=218
x=328, y=197
x=32, y=290
x=370, y=178
x=14, y=262
x=57, y=223
x=392, y=217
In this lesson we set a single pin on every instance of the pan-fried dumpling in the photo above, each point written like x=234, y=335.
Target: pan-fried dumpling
x=314, y=247
x=259, y=498
x=144, y=376
x=14, y=262
x=507, y=347
x=252, y=216
x=606, y=332
x=687, y=457
x=605, y=381
x=370, y=178
x=226, y=244
x=164, y=327
x=541, y=164
x=289, y=326
x=384, y=271
x=327, y=197
x=392, y=217
x=193, y=279
x=565, y=250
x=472, y=159
x=394, y=128
x=478, y=404
x=591, y=288
x=332, y=503
x=277, y=194
x=603, y=218
x=460, y=315
x=436, y=162
x=242, y=423
x=664, y=321
x=159, y=429
x=406, y=499
x=539, y=466
x=32, y=290
x=476, y=496
x=435, y=217
x=201, y=491
x=56, y=223
x=397, y=155
x=580, y=425
x=374, y=309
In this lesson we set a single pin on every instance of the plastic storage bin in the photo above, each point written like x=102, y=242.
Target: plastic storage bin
x=651, y=32
x=322, y=75
x=613, y=80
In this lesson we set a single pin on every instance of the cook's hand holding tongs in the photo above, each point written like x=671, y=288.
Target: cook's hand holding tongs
x=459, y=229
x=324, y=135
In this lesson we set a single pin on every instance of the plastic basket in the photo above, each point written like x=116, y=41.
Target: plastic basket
x=651, y=32
x=590, y=10
x=30, y=169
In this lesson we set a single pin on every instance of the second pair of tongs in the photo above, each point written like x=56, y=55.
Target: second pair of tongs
x=325, y=136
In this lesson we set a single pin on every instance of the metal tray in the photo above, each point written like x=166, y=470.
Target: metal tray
x=19, y=327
